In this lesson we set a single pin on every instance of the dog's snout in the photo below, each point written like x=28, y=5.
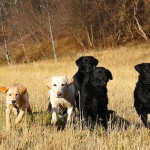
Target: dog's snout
x=105, y=79
x=59, y=93
x=13, y=101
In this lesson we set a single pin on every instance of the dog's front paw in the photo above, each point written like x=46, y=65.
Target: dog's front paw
x=53, y=121
x=18, y=120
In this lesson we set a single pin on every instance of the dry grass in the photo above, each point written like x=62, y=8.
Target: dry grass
x=38, y=136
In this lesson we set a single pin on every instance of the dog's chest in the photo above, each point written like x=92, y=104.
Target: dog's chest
x=62, y=102
x=94, y=91
x=144, y=96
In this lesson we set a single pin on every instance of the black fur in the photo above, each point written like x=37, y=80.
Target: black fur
x=94, y=96
x=142, y=92
x=85, y=64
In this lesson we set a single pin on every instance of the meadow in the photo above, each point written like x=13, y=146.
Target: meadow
x=128, y=134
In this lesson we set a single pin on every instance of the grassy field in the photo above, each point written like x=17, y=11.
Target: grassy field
x=127, y=134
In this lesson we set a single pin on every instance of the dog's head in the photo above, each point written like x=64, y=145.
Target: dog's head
x=144, y=70
x=58, y=85
x=86, y=63
x=102, y=75
x=13, y=93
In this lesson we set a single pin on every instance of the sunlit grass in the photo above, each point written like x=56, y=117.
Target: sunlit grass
x=39, y=135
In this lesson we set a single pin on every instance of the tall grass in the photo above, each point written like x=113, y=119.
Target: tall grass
x=37, y=135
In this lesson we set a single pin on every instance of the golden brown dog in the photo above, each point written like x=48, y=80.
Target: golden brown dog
x=16, y=101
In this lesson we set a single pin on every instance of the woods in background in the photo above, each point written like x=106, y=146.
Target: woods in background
x=35, y=29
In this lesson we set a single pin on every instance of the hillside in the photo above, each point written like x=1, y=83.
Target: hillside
x=35, y=30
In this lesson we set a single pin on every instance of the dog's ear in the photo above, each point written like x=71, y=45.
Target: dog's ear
x=138, y=67
x=109, y=74
x=48, y=82
x=22, y=89
x=69, y=81
x=4, y=89
x=95, y=61
x=79, y=62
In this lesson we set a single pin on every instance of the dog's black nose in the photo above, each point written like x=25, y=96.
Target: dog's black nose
x=13, y=101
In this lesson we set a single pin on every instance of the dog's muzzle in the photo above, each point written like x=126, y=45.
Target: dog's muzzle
x=103, y=84
x=59, y=94
x=13, y=101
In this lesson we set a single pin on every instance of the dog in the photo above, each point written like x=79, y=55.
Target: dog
x=62, y=95
x=94, y=99
x=16, y=101
x=142, y=92
x=85, y=64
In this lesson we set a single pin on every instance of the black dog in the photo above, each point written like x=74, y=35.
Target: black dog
x=85, y=64
x=94, y=98
x=142, y=92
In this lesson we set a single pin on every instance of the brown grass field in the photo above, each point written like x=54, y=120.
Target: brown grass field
x=127, y=133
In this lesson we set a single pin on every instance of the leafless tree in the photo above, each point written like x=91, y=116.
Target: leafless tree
x=20, y=34
x=51, y=32
x=3, y=12
x=139, y=26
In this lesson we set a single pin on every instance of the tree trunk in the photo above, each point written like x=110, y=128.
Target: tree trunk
x=51, y=33
x=7, y=53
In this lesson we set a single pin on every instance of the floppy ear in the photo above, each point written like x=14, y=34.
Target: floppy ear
x=109, y=74
x=138, y=67
x=95, y=61
x=69, y=81
x=22, y=89
x=79, y=62
x=4, y=89
x=48, y=82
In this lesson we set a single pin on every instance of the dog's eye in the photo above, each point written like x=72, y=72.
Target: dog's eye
x=9, y=94
x=17, y=94
x=54, y=85
x=63, y=85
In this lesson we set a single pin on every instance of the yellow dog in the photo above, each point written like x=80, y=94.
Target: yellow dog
x=16, y=101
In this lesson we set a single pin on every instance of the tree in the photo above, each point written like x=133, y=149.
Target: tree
x=3, y=13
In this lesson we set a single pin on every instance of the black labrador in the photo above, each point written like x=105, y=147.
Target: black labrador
x=142, y=92
x=94, y=99
x=85, y=64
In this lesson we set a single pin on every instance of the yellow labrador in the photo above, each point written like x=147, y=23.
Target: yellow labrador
x=62, y=93
x=16, y=101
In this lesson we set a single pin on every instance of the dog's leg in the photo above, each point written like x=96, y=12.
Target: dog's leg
x=143, y=116
x=54, y=115
x=104, y=121
x=144, y=119
x=15, y=111
x=21, y=114
x=69, y=114
x=20, y=117
x=29, y=110
x=8, y=112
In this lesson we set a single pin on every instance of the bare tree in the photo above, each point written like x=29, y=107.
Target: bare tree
x=139, y=26
x=20, y=34
x=51, y=32
x=7, y=53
